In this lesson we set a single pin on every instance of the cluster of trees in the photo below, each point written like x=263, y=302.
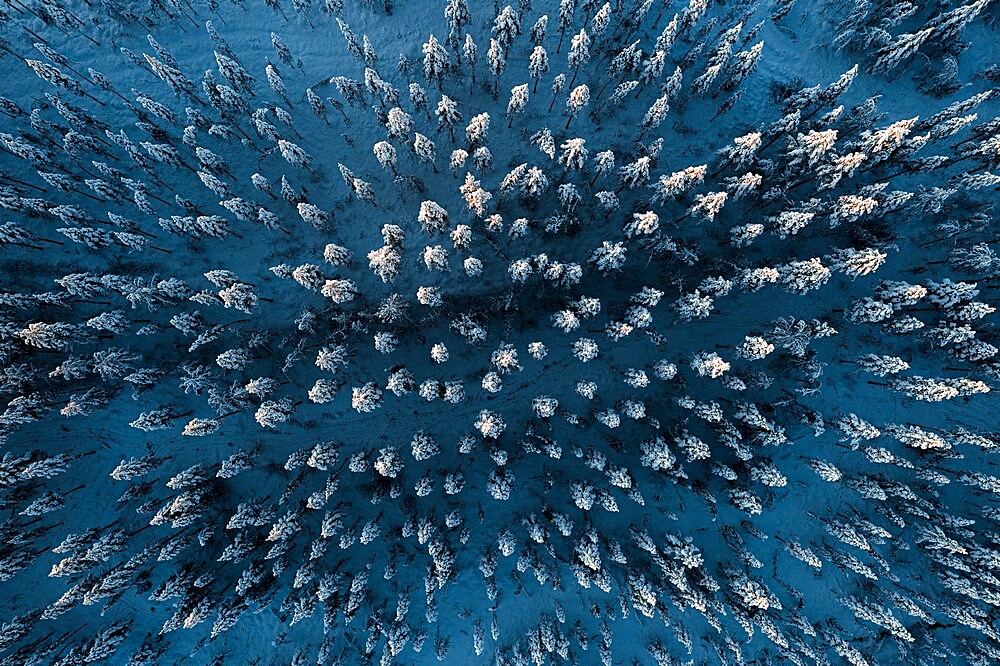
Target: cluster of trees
x=559, y=308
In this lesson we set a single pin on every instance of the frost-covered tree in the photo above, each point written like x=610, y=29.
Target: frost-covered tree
x=579, y=53
x=855, y=263
x=436, y=60
x=578, y=99
x=802, y=276
x=518, y=101
x=538, y=66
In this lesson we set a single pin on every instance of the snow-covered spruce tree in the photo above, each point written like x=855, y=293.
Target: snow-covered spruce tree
x=687, y=333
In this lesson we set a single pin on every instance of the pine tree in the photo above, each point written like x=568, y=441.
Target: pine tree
x=574, y=154
x=436, y=61
x=506, y=27
x=277, y=84
x=579, y=53
x=418, y=97
x=448, y=115
x=476, y=198
x=558, y=85
x=578, y=99
x=609, y=257
x=497, y=60
x=56, y=77
x=745, y=63
x=566, y=9
x=293, y=154
x=386, y=156
x=457, y=14
x=634, y=174
x=399, y=124
x=899, y=50
x=799, y=277
x=534, y=183
x=857, y=262
x=477, y=130
x=518, y=101
x=539, y=30
x=947, y=25
x=313, y=215
x=470, y=50
x=656, y=114
x=424, y=149
x=233, y=72
x=538, y=66
x=601, y=20
x=432, y=217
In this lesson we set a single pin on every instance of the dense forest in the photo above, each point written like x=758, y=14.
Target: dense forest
x=557, y=332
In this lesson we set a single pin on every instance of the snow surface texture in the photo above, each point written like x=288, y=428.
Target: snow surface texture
x=627, y=333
